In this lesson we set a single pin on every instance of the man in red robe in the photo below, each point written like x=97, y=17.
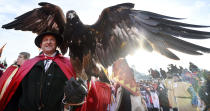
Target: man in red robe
x=39, y=82
x=8, y=75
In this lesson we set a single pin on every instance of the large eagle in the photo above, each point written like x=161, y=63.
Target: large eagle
x=118, y=32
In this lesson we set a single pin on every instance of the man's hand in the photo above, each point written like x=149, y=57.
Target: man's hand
x=75, y=92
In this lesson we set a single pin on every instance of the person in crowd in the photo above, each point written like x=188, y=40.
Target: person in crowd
x=155, y=99
x=7, y=78
x=204, y=92
x=163, y=97
x=41, y=79
x=169, y=84
x=185, y=95
x=148, y=99
x=163, y=73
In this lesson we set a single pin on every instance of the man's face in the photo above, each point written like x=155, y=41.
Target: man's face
x=48, y=44
x=148, y=88
x=20, y=59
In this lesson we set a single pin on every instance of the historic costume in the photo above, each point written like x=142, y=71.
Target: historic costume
x=163, y=97
x=8, y=74
x=155, y=100
x=204, y=92
x=184, y=94
x=40, y=89
x=169, y=84
x=4, y=82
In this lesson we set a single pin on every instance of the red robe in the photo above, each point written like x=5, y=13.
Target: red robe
x=98, y=98
x=6, y=75
x=63, y=63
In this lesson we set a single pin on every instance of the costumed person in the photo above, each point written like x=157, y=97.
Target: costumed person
x=163, y=97
x=148, y=99
x=7, y=78
x=41, y=79
x=169, y=84
x=155, y=99
x=163, y=73
x=113, y=104
x=204, y=92
x=185, y=95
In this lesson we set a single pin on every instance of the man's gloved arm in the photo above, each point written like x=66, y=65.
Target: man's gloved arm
x=75, y=92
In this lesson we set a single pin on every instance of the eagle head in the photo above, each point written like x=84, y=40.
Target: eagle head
x=72, y=16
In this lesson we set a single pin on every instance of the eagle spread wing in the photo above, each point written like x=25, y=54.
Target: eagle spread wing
x=49, y=17
x=120, y=30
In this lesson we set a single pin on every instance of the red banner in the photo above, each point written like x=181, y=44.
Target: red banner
x=124, y=76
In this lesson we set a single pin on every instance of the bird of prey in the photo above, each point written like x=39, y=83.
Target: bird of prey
x=119, y=31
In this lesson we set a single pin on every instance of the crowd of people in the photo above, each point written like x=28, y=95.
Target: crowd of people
x=178, y=89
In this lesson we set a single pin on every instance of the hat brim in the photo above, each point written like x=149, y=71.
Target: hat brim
x=38, y=39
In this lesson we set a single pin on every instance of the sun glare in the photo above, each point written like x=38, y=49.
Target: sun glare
x=143, y=60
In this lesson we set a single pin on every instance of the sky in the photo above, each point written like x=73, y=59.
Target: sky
x=195, y=11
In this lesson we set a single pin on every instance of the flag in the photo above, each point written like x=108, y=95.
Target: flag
x=124, y=76
x=1, y=50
